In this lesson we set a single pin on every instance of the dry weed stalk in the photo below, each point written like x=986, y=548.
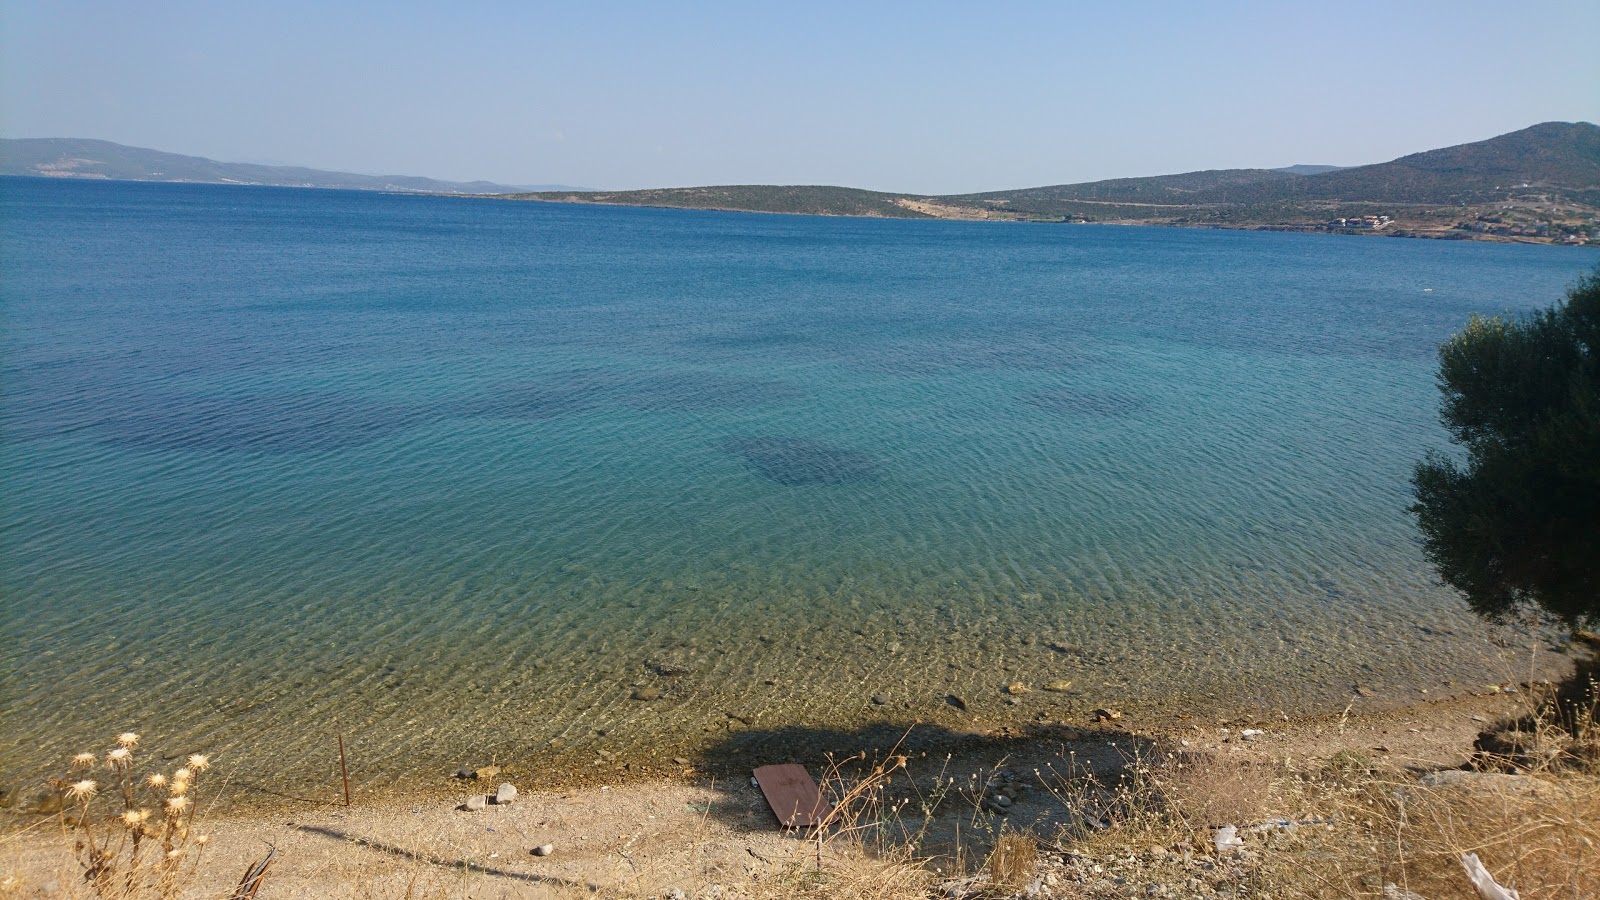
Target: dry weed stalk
x=148, y=846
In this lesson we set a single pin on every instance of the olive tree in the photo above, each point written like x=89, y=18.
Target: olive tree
x=1513, y=519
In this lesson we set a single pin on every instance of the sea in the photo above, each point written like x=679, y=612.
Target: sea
x=462, y=481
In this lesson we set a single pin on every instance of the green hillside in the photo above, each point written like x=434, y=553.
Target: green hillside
x=1540, y=183
x=1557, y=159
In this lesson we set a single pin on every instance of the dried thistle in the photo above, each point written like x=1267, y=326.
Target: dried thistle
x=134, y=818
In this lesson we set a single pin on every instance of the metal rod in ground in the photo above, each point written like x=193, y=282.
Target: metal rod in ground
x=344, y=773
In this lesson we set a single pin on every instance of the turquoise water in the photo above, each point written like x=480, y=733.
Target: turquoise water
x=454, y=476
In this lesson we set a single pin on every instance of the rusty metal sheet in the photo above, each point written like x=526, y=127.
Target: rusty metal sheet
x=793, y=795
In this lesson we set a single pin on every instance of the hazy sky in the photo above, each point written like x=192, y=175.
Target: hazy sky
x=921, y=97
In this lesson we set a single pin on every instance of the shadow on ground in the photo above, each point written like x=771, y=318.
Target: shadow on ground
x=444, y=862
x=928, y=787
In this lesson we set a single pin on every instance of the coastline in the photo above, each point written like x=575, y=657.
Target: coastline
x=1416, y=231
x=651, y=832
x=671, y=735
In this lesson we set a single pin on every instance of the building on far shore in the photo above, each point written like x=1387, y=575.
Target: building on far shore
x=1370, y=223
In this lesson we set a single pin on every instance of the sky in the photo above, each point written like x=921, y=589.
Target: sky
x=916, y=97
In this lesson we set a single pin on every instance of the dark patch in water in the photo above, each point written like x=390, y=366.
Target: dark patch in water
x=1103, y=404
x=800, y=461
x=582, y=392
x=537, y=401
x=292, y=423
x=705, y=390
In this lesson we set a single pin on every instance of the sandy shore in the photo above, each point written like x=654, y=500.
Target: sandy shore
x=711, y=834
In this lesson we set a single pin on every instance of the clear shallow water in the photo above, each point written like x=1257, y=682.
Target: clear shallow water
x=454, y=476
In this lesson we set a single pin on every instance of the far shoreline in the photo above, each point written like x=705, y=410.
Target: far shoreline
x=1286, y=228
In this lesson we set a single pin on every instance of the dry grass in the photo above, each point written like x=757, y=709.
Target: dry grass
x=1012, y=860
x=1537, y=831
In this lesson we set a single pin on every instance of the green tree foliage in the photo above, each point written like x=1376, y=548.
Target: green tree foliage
x=1517, y=522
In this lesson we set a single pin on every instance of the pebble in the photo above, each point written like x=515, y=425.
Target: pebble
x=475, y=803
x=544, y=849
x=486, y=773
x=1059, y=686
x=647, y=693
x=1105, y=714
x=1016, y=688
x=679, y=760
x=465, y=774
x=880, y=700
x=505, y=794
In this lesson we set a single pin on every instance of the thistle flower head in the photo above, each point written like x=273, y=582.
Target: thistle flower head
x=177, y=804
x=119, y=757
x=128, y=739
x=84, y=761
x=182, y=775
x=133, y=818
x=81, y=790
x=199, y=762
x=156, y=780
x=201, y=839
x=179, y=787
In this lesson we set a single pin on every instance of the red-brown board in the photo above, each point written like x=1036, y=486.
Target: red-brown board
x=792, y=794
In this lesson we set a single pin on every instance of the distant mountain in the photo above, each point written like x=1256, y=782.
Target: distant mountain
x=1558, y=157
x=1540, y=183
x=1309, y=170
x=83, y=158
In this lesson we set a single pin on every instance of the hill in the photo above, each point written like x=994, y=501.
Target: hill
x=1540, y=183
x=83, y=158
